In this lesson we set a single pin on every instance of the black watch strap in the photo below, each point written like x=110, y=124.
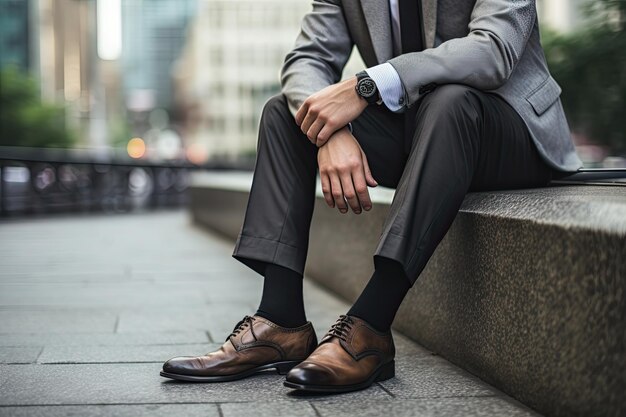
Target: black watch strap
x=366, y=88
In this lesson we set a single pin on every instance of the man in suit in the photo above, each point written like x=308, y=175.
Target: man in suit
x=456, y=97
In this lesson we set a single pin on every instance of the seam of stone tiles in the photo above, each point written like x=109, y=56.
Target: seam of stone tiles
x=392, y=395
x=326, y=400
x=137, y=403
x=400, y=397
x=317, y=412
x=41, y=349
x=105, y=346
x=91, y=363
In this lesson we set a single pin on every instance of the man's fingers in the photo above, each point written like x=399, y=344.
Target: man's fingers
x=327, y=190
x=306, y=124
x=337, y=193
x=369, y=178
x=349, y=192
x=324, y=134
x=302, y=111
x=360, y=186
x=314, y=131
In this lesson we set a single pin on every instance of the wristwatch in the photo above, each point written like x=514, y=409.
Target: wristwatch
x=366, y=88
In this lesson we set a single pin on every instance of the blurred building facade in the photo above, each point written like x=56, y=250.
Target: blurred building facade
x=230, y=66
x=15, y=33
x=64, y=60
x=53, y=40
x=153, y=33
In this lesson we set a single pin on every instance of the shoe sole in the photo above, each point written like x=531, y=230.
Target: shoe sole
x=383, y=373
x=281, y=367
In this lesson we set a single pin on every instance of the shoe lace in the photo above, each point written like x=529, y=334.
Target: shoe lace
x=243, y=323
x=341, y=328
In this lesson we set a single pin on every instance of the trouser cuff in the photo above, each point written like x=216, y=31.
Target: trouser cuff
x=256, y=253
x=391, y=247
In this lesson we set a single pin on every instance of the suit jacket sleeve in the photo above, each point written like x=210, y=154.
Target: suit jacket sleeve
x=484, y=59
x=320, y=54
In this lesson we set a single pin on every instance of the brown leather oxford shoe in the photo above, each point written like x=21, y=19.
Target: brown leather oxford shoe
x=351, y=356
x=254, y=345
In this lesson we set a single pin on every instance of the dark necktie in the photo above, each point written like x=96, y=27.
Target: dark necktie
x=411, y=40
x=411, y=26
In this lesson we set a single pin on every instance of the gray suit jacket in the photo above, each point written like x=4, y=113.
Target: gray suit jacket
x=492, y=45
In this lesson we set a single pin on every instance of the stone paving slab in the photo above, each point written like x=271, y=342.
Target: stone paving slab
x=3, y=376
x=140, y=383
x=148, y=410
x=104, y=269
x=434, y=377
x=99, y=302
x=428, y=407
x=19, y=276
x=440, y=407
x=119, y=354
x=104, y=339
x=216, y=274
x=273, y=409
x=218, y=320
x=98, y=294
x=20, y=321
x=22, y=354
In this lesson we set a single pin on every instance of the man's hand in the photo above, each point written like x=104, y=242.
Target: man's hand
x=329, y=110
x=344, y=172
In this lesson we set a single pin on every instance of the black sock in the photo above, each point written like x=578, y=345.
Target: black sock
x=282, y=301
x=382, y=296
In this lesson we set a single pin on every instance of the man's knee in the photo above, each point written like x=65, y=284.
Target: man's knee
x=452, y=113
x=451, y=100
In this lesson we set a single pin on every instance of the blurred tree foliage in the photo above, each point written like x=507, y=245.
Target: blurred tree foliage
x=590, y=66
x=24, y=119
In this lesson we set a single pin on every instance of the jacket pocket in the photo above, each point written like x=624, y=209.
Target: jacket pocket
x=544, y=95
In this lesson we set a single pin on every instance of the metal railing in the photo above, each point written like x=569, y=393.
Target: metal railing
x=41, y=181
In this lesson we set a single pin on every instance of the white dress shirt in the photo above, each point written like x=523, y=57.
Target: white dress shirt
x=384, y=75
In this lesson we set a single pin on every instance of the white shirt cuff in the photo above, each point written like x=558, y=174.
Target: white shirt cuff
x=389, y=85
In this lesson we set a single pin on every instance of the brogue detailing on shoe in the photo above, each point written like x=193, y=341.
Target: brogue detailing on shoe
x=263, y=343
x=244, y=336
x=284, y=329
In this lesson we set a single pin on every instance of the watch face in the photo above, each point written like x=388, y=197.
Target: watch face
x=366, y=87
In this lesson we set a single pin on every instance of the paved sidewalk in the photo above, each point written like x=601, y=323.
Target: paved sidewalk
x=91, y=306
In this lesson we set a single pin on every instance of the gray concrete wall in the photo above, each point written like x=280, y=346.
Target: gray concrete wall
x=527, y=289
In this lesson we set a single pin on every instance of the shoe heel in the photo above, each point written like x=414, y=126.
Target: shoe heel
x=387, y=371
x=284, y=367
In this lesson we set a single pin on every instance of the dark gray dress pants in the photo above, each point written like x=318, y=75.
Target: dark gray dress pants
x=459, y=139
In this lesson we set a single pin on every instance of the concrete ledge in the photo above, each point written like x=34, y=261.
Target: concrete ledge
x=527, y=289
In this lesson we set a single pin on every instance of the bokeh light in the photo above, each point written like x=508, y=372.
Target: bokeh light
x=136, y=148
x=197, y=153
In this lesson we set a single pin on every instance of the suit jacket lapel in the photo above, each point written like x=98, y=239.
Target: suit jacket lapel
x=378, y=21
